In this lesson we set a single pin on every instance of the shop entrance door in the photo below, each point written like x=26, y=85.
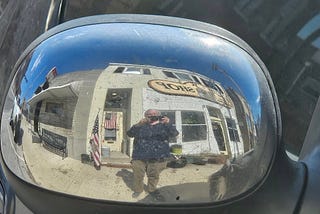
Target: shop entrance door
x=112, y=131
x=219, y=136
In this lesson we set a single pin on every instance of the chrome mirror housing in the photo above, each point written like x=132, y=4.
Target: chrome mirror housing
x=80, y=87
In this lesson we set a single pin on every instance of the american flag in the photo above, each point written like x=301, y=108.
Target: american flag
x=110, y=121
x=94, y=141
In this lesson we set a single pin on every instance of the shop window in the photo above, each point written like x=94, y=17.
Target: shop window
x=54, y=108
x=218, y=134
x=194, y=127
x=119, y=70
x=214, y=112
x=172, y=117
x=209, y=84
x=182, y=76
x=233, y=131
x=132, y=70
x=217, y=87
x=146, y=71
x=169, y=74
x=195, y=79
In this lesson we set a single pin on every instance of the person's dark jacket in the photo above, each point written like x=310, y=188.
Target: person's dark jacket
x=151, y=141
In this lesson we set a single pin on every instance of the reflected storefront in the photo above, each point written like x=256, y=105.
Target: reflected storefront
x=201, y=109
x=58, y=112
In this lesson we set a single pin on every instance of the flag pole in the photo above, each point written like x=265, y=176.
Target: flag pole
x=95, y=143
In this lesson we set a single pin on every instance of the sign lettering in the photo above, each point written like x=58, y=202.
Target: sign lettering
x=188, y=89
x=174, y=88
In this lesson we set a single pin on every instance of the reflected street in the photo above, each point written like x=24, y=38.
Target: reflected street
x=72, y=176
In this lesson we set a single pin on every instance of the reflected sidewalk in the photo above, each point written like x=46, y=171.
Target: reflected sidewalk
x=71, y=176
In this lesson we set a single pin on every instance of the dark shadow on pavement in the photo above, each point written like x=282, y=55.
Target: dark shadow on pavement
x=127, y=177
x=181, y=193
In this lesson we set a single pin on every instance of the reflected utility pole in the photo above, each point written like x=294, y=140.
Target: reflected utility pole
x=216, y=68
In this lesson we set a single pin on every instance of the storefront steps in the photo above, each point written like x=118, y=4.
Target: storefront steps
x=116, y=159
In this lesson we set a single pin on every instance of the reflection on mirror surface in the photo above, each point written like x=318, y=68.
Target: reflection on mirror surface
x=139, y=113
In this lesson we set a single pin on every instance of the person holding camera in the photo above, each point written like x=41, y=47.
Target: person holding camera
x=150, y=149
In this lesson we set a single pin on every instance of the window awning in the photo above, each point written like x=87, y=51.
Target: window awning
x=64, y=91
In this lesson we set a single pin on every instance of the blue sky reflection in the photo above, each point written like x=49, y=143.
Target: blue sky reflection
x=95, y=46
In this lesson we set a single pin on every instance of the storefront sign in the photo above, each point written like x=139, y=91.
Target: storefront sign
x=174, y=88
x=188, y=89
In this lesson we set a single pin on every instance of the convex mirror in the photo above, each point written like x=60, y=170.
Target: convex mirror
x=80, y=87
